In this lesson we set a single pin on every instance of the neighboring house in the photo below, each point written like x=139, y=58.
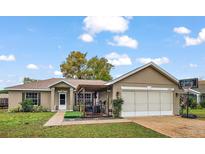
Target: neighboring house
x=147, y=90
x=4, y=100
x=200, y=91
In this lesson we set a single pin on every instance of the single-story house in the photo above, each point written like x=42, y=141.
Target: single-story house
x=199, y=92
x=4, y=100
x=147, y=90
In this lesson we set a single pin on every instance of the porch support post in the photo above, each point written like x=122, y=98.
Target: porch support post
x=71, y=100
x=198, y=99
x=84, y=100
x=107, y=103
x=53, y=100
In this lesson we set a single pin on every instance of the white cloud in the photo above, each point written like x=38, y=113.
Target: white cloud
x=32, y=67
x=7, y=58
x=86, y=37
x=124, y=41
x=158, y=61
x=181, y=30
x=50, y=66
x=193, y=65
x=117, y=59
x=189, y=41
x=97, y=24
x=58, y=73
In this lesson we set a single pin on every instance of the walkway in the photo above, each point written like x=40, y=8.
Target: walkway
x=58, y=120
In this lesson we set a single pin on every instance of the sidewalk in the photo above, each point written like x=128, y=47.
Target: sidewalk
x=58, y=120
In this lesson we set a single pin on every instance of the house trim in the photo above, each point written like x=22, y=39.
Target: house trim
x=64, y=82
x=147, y=88
x=28, y=89
x=141, y=68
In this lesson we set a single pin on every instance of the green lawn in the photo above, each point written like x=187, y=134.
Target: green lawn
x=199, y=112
x=72, y=114
x=31, y=125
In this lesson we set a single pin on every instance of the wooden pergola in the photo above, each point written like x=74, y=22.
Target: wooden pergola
x=95, y=88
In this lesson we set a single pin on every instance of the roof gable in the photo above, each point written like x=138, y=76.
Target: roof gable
x=62, y=81
x=151, y=64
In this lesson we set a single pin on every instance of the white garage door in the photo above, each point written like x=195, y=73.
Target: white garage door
x=147, y=102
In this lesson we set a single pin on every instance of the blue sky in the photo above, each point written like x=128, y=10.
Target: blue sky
x=36, y=46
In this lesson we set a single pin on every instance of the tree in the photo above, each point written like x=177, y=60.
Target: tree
x=75, y=65
x=99, y=69
x=28, y=80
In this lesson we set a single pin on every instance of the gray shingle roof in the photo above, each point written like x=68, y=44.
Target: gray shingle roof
x=44, y=84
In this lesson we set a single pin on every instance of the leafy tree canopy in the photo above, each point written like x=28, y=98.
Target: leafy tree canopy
x=77, y=66
x=28, y=80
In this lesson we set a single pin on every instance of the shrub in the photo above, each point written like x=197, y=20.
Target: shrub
x=192, y=103
x=40, y=108
x=202, y=103
x=17, y=109
x=117, y=107
x=27, y=105
x=199, y=106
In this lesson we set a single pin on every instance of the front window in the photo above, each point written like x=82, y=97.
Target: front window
x=88, y=98
x=34, y=96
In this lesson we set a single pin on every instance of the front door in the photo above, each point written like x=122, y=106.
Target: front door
x=62, y=101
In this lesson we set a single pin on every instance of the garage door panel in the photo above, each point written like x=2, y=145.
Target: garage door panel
x=128, y=105
x=154, y=102
x=141, y=101
x=141, y=107
x=154, y=107
x=147, y=102
x=154, y=97
x=166, y=100
x=141, y=97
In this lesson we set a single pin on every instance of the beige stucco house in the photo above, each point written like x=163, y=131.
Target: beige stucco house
x=147, y=90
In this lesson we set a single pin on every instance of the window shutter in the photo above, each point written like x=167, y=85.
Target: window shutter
x=39, y=98
x=23, y=96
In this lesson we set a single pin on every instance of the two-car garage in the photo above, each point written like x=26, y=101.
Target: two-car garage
x=147, y=91
x=147, y=101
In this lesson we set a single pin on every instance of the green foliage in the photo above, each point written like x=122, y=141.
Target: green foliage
x=28, y=125
x=17, y=109
x=77, y=66
x=39, y=108
x=27, y=105
x=3, y=91
x=99, y=69
x=73, y=114
x=117, y=107
x=192, y=103
x=199, y=106
x=28, y=80
x=202, y=103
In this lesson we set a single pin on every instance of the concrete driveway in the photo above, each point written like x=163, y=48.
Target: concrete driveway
x=173, y=126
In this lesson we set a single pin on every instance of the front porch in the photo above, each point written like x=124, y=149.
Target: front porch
x=91, y=100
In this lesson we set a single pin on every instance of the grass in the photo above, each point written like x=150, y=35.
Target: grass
x=31, y=125
x=199, y=112
x=72, y=114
